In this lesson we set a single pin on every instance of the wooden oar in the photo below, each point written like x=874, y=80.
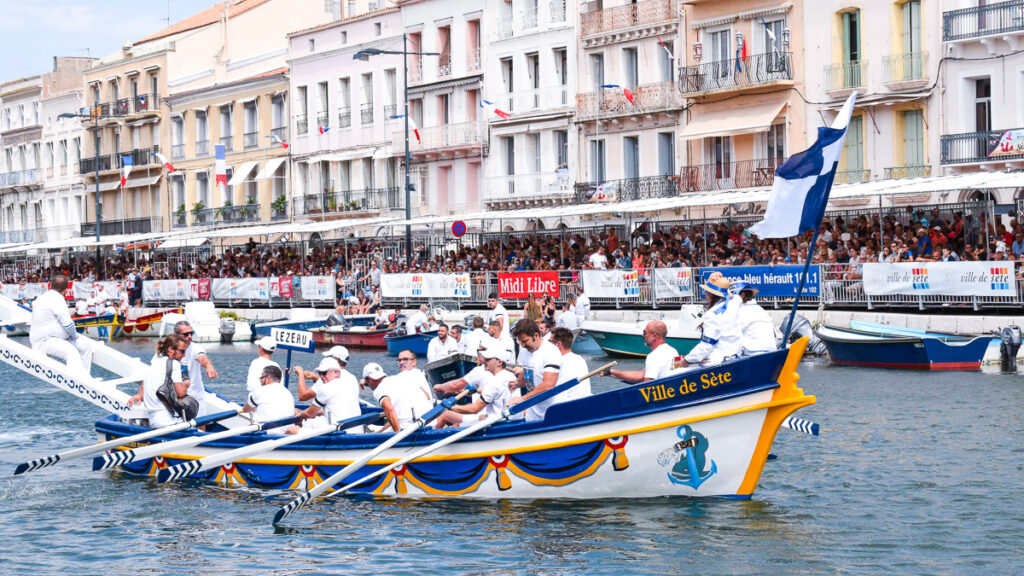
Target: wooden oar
x=194, y=466
x=508, y=413
x=121, y=457
x=348, y=470
x=116, y=442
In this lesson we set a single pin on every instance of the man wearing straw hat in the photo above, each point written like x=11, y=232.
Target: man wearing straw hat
x=720, y=331
x=755, y=323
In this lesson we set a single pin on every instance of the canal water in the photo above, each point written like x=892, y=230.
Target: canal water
x=914, y=473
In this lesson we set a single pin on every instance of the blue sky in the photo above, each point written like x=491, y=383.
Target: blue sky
x=32, y=32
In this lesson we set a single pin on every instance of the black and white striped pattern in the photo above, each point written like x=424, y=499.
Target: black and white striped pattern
x=801, y=425
x=115, y=458
x=292, y=507
x=179, y=471
x=37, y=464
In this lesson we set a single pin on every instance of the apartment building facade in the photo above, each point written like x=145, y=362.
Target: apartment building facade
x=20, y=180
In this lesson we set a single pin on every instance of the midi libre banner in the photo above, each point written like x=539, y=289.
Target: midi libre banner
x=946, y=278
x=519, y=285
x=771, y=281
x=439, y=286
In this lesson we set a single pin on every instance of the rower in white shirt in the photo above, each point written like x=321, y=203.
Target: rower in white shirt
x=264, y=349
x=418, y=322
x=441, y=346
x=500, y=315
x=721, y=333
x=755, y=324
x=659, y=362
x=473, y=340
x=53, y=332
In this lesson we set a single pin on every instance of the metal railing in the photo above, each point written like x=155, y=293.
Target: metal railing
x=127, y=226
x=529, y=18
x=503, y=28
x=146, y=103
x=228, y=142
x=646, y=99
x=322, y=120
x=972, y=147
x=344, y=117
x=301, y=124
x=447, y=136
x=281, y=132
x=906, y=67
x=542, y=186
x=444, y=67
x=179, y=219
x=88, y=164
x=202, y=148
x=534, y=99
x=366, y=113
x=348, y=201
x=643, y=13
x=415, y=71
x=627, y=189
x=278, y=211
x=729, y=175
x=558, y=11
x=251, y=139
x=736, y=73
x=19, y=178
x=978, y=21
x=177, y=151
x=204, y=217
x=846, y=76
x=473, y=61
x=390, y=111
x=851, y=176
x=908, y=172
x=239, y=213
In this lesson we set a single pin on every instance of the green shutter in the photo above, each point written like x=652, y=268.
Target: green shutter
x=854, y=145
x=913, y=138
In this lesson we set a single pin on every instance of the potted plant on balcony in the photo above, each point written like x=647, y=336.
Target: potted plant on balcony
x=280, y=205
x=225, y=209
x=353, y=205
x=197, y=208
x=180, y=214
x=250, y=207
x=332, y=204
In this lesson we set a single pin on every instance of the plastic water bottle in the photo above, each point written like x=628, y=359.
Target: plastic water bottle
x=670, y=456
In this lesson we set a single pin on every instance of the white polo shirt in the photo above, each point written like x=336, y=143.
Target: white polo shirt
x=438, y=350
x=339, y=398
x=573, y=366
x=49, y=316
x=659, y=362
x=252, y=379
x=272, y=402
x=409, y=399
x=545, y=359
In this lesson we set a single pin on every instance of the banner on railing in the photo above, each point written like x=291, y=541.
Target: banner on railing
x=611, y=283
x=434, y=286
x=317, y=288
x=281, y=287
x=240, y=288
x=1011, y=143
x=671, y=283
x=945, y=278
x=771, y=281
x=23, y=291
x=84, y=290
x=519, y=285
x=178, y=290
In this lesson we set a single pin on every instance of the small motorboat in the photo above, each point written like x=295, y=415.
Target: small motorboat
x=107, y=326
x=848, y=347
x=450, y=368
x=147, y=325
x=621, y=339
x=350, y=336
x=418, y=343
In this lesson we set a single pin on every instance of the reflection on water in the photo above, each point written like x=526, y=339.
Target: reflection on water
x=914, y=472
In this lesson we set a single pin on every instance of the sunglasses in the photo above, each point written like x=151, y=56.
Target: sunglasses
x=406, y=359
x=189, y=333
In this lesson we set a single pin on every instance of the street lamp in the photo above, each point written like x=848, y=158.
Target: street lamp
x=96, y=153
x=364, y=55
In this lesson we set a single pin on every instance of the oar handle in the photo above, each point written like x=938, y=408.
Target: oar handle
x=282, y=422
x=211, y=418
x=547, y=394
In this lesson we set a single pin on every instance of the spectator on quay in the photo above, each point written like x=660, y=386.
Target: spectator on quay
x=532, y=310
x=1018, y=245
x=597, y=260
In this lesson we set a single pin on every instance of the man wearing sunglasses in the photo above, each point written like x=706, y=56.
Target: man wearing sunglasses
x=194, y=365
x=333, y=397
x=405, y=396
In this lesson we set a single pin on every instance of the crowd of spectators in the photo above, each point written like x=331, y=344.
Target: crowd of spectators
x=919, y=236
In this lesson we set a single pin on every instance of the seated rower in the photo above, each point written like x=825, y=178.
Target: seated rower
x=573, y=366
x=418, y=322
x=339, y=353
x=539, y=363
x=494, y=341
x=271, y=401
x=441, y=346
x=53, y=332
x=720, y=329
x=492, y=393
x=264, y=349
x=401, y=396
x=333, y=397
x=755, y=324
x=659, y=362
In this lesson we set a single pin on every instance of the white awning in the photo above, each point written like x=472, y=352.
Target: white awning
x=175, y=243
x=242, y=174
x=131, y=183
x=270, y=168
x=742, y=120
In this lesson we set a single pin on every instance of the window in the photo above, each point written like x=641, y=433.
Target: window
x=203, y=189
x=154, y=85
x=251, y=119
x=911, y=20
x=631, y=157
x=597, y=163
x=178, y=182
x=851, y=49
x=562, y=73
x=344, y=103
x=562, y=147
x=508, y=146
x=301, y=120
x=720, y=154
x=629, y=61
x=533, y=72
x=913, y=138
x=136, y=137
x=597, y=70
x=719, y=55
x=983, y=104
x=367, y=108
x=534, y=150
x=775, y=144
x=775, y=59
x=853, y=147
x=227, y=127
x=277, y=112
x=344, y=37
x=202, y=134
x=312, y=45
x=666, y=153
x=369, y=181
x=376, y=28
x=391, y=87
x=666, y=62
x=345, y=175
x=444, y=109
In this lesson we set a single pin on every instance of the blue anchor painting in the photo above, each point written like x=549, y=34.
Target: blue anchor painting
x=688, y=459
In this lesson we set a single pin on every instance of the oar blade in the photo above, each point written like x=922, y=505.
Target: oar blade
x=37, y=464
x=290, y=507
x=115, y=458
x=180, y=471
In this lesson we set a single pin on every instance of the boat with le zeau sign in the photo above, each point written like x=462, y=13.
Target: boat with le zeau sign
x=706, y=432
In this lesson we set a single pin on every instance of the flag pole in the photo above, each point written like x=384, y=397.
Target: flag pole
x=807, y=265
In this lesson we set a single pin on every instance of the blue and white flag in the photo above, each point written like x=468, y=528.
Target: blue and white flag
x=802, y=183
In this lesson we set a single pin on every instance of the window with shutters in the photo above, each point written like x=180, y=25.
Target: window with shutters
x=631, y=157
x=913, y=138
x=853, y=147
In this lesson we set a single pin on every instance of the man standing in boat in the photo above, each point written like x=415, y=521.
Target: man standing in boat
x=755, y=324
x=474, y=339
x=491, y=399
x=53, y=331
x=500, y=315
x=721, y=334
x=419, y=322
x=659, y=362
x=264, y=348
x=441, y=346
x=195, y=365
x=582, y=308
x=539, y=364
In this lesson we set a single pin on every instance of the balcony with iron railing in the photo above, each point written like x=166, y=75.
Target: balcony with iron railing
x=228, y=142
x=979, y=147
x=366, y=113
x=504, y=27
x=139, y=156
x=88, y=164
x=415, y=71
x=755, y=70
x=549, y=187
x=462, y=135
x=323, y=120
x=238, y=214
x=390, y=111
x=729, y=175
x=344, y=117
x=473, y=62
x=444, y=66
x=278, y=210
x=204, y=217
x=340, y=201
x=846, y=76
x=625, y=190
x=251, y=139
x=559, y=11
x=851, y=176
x=537, y=99
x=908, y=172
x=997, y=19
x=202, y=148
x=301, y=124
x=127, y=226
x=647, y=99
x=528, y=18
x=19, y=178
x=904, y=70
x=179, y=219
x=637, y=15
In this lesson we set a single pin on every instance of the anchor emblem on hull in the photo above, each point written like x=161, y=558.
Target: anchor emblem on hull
x=687, y=459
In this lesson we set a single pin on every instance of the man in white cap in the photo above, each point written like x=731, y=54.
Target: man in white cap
x=264, y=348
x=271, y=401
x=332, y=397
x=339, y=353
x=441, y=346
x=755, y=324
x=720, y=330
x=399, y=396
x=492, y=394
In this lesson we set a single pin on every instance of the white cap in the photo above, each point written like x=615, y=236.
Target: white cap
x=339, y=353
x=373, y=371
x=328, y=364
x=489, y=353
x=267, y=343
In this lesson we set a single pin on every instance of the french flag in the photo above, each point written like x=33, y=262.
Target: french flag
x=126, y=168
x=412, y=126
x=221, y=165
x=275, y=139
x=669, y=52
x=625, y=92
x=163, y=160
x=803, y=183
x=487, y=104
x=324, y=129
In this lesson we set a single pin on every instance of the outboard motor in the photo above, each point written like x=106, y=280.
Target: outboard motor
x=400, y=329
x=227, y=330
x=336, y=319
x=1010, y=336
x=802, y=327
